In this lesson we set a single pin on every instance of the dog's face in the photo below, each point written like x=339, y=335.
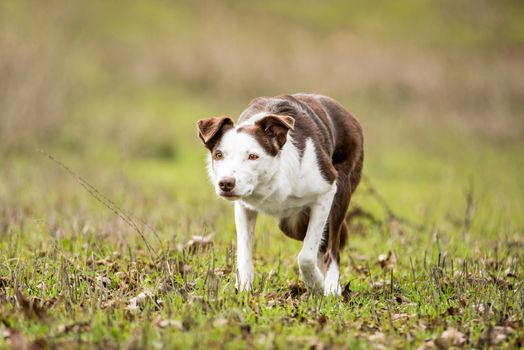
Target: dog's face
x=246, y=156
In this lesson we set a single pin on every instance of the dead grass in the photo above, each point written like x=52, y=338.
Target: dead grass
x=64, y=61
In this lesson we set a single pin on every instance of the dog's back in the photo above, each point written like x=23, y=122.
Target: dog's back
x=336, y=133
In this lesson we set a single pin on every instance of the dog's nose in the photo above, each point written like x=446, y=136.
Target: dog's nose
x=227, y=184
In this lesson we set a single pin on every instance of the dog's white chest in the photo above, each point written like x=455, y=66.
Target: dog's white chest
x=297, y=185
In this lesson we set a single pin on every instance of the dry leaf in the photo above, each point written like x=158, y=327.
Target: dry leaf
x=398, y=317
x=387, y=261
x=170, y=323
x=134, y=302
x=377, y=337
x=346, y=293
x=295, y=289
x=377, y=285
x=17, y=341
x=377, y=340
x=427, y=345
x=199, y=243
x=450, y=337
x=219, y=322
x=30, y=307
x=308, y=342
x=498, y=334
x=73, y=327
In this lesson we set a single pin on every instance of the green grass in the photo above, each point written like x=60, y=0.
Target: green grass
x=78, y=266
x=114, y=92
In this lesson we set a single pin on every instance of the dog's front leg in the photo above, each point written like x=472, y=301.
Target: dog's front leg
x=307, y=258
x=245, y=220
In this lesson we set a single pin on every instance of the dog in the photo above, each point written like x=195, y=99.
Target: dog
x=295, y=157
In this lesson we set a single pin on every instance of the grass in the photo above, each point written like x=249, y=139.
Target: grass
x=74, y=275
x=115, y=95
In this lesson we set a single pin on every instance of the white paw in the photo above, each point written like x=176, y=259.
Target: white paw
x=331, y=282
x=310, y=273
x=245, y=274
x=332, y=288
x=243, y=285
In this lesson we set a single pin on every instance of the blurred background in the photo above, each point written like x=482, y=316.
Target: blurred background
x=115, y=88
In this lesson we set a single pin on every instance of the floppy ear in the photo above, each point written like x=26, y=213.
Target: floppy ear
x=211, y=129
x=277, y=127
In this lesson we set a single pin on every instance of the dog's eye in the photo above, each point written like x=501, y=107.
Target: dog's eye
x=253, y=156
x=218, y=155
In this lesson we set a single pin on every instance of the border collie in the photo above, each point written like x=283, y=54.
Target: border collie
x=295, y=157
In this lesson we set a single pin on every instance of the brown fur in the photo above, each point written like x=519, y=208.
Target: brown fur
x=271, y=132
x=210, y=130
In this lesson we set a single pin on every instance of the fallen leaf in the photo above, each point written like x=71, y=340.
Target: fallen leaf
x=398, y=317
x=73, y=327
x=199, y=243
x=346, y=293
x=295, y=289
x=17, y=341
x=219, y=322
x=452, y=311
x=379, y=284
x=498, y=334
x=134, y=303
x=170, y=323
x=308, y=342
x=110, y=304
x=450, y=337
x=322, y=319
x=103, y=281
x=377, y=340
x=427, y=345
x=387, y=261
x=30, y=307
x=377, y=337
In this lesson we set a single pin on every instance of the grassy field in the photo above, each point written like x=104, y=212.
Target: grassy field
x=113, y=91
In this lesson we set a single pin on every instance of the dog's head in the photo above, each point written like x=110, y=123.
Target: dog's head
x=245, y=156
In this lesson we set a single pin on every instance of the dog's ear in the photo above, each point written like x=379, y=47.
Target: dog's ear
x=211, y=129
x=277, y=127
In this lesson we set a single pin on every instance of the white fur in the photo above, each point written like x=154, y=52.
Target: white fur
x=252, y=120
x=280, y=186
x=332, y=280
x=292, y=185
x=236, y=148
x=245, y=220
x=307, y=258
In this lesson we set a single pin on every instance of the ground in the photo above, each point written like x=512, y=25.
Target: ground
x=132, y=249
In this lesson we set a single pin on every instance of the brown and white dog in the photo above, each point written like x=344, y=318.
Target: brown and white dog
x=295, y=157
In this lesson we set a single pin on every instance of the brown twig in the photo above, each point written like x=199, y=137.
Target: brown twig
x=359, y=212
x=390, y=214
x=102, y=199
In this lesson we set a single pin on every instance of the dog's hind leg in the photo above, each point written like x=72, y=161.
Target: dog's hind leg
x=307, y=258
x=337, y=236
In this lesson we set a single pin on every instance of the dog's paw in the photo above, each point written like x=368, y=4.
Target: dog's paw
x=243, y=287
x=331, y=282
x=311, y=274
x=332, y=288
x=244, y=279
